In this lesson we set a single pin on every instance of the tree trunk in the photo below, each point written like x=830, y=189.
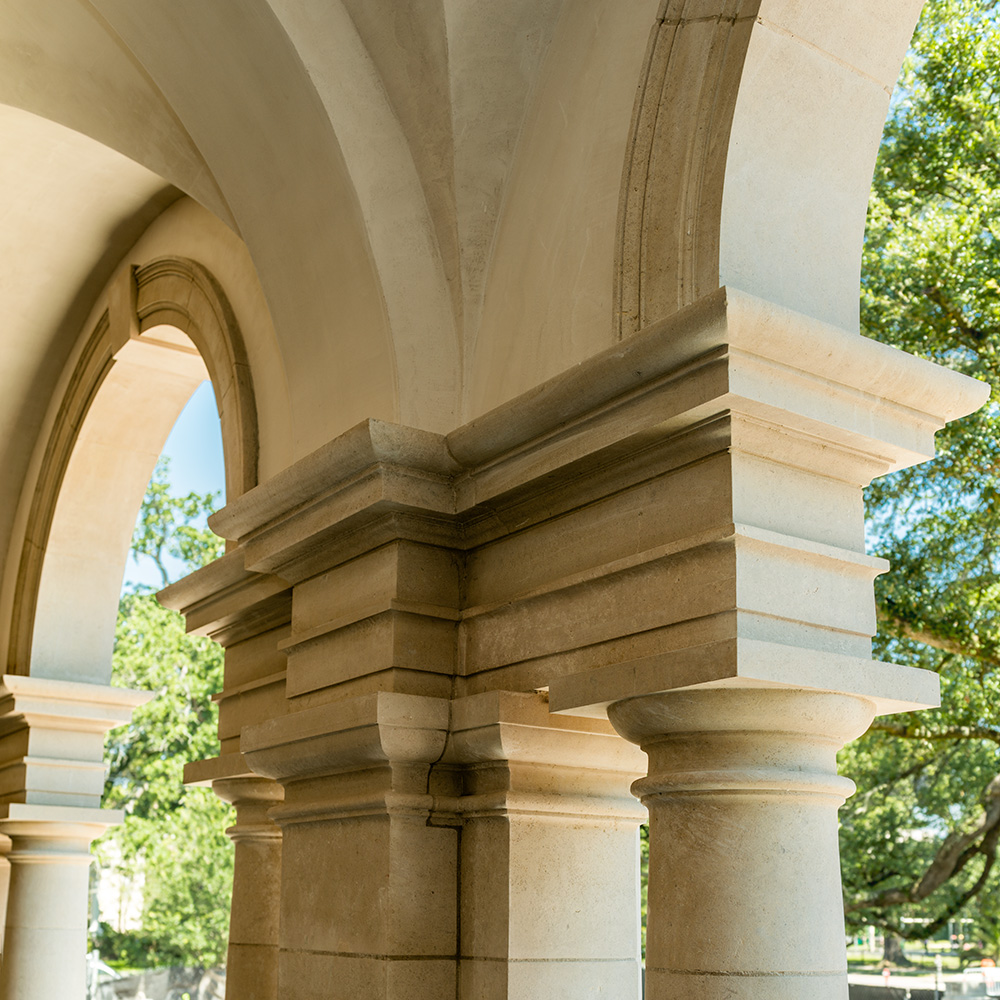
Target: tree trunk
x=893, y=951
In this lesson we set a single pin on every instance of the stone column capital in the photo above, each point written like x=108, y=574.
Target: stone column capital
x=67, y=705
x=655, y=721
x=60, y=830
x=517, y=758
x=742, y=740
x=364, y=756
x=52, y=738
x=373, y=730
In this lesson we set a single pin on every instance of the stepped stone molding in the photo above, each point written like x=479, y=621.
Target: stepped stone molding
x=674, y=524
x=52, y=739
x=551, y=537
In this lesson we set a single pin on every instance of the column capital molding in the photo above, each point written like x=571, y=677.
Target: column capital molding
x=62, y=828
x=367, y=732
x=518, y=728
x=747, y=664
x=742, y=739
x=52, y=738
x=68, y=705
x=518, y=758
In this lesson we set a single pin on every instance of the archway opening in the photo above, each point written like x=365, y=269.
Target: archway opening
x=163, y=879
x=167, y=330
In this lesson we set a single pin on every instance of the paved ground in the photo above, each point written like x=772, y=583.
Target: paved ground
x=973, y=981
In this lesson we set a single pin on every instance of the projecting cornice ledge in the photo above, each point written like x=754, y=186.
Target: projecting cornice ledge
x=227, y=602
x=730, y=355
x=682, y=510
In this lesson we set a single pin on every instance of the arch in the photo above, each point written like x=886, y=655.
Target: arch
x=167, y=327
x=177, y=292
x=759, y=177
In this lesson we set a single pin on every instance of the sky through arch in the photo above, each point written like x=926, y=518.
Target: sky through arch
x=194, y=448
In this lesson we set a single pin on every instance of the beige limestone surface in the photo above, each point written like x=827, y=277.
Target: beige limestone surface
x=533, y=330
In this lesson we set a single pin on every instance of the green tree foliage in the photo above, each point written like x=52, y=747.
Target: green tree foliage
x=172, y=846
x=170, y=527
x=919, y=839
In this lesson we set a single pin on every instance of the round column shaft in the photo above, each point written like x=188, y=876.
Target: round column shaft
x=45, y=944
x=744, y=871
x=252, y=964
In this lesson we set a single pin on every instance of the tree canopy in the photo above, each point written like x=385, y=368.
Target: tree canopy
x=172, y=848
x=919, y=839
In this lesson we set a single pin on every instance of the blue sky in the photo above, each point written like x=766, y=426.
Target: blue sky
x=195, y=452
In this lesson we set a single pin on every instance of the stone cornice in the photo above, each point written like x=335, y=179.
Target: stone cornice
x=732, y=320
x=729, y=357
x=682, y=509
x=227, y=602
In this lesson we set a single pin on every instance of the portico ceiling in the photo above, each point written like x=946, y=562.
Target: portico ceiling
x=69, y=209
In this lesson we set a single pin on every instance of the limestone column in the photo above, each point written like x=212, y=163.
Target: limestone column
x=45, y=942
x=744, y=891
x=549, y=853
x=247, y=614
x=252, y=963
x=4, y=881
x=51, y=779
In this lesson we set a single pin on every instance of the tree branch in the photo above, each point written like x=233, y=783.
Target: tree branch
x=912, y=731
x=951, y=859
x=927, y=637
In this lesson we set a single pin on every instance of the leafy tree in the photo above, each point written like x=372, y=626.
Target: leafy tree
x=919, y=839
x=170, y=528
x=172, y=845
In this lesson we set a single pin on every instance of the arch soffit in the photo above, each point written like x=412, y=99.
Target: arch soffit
x=142, y=303
x=48, y=51
x=270, y=146
x=754, y=134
